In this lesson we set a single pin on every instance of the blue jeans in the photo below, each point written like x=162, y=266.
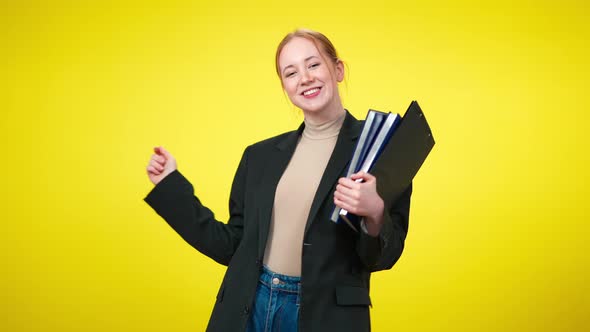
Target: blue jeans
x=276, y=306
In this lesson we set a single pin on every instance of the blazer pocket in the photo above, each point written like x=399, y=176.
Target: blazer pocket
x=351, y=296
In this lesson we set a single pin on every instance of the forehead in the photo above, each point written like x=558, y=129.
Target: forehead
x=296, y=51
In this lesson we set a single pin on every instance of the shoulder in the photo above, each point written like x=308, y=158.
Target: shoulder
x=272, y=142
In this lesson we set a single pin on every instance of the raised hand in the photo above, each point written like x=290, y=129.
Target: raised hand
x=161, y=164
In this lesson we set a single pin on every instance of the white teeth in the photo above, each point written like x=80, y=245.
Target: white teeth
x=308, y=92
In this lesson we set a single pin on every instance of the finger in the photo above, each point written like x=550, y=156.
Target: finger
x=152, y=170
x=163, y=152
x=365, y=178
x=357, y=175
x=345, y=206
x=159, y=159
x=362, y=175
x=347, y=192
x=369, y=177
x=352, y=201
x=156, y=165
x=349, y=183
x=154, y=161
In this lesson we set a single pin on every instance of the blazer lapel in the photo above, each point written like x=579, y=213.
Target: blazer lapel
x=341, y=155
x=273, y=170
x=278, y=161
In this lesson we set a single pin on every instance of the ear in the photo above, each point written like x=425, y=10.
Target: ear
x=339, y=70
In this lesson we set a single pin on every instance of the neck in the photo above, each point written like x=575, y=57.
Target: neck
x=328, y=129
x=329, y=114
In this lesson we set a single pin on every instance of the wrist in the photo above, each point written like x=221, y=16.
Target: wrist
x=377, y=216
x=374, y=222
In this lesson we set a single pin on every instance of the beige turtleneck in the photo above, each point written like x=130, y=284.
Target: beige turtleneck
x=294, y=195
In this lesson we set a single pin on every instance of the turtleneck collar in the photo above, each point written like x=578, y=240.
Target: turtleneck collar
x=328, y=129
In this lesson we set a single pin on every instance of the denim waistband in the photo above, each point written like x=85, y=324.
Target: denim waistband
x=279, y=281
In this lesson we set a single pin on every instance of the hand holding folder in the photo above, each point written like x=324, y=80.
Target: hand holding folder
x=392, y=147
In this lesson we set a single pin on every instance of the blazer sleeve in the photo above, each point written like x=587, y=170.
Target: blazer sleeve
x=383, y=251
x=174, y=200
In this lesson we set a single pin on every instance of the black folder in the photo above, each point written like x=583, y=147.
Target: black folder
x=404, y=155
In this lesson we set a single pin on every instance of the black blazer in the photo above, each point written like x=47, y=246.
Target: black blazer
x=336, y=262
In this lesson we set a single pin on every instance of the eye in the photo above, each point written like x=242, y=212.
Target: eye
x=290, y=74
x=313, y=65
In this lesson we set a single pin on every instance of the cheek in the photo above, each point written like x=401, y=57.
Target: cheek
x=290, y=88
x=328, y=77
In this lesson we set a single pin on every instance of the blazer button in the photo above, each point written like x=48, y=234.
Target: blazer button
x=246, y=310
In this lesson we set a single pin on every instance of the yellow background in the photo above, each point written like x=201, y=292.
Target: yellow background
x=498, y=235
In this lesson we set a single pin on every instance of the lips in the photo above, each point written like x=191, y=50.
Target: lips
x=310, y=93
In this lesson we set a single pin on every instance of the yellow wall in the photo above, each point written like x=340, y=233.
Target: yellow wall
x=499, y=218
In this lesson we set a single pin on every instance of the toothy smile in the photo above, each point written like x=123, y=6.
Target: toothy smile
x=311, y=91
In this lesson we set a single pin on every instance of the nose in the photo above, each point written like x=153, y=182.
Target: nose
x=306, y=77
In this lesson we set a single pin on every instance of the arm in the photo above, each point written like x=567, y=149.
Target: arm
x=174, y=200
x=384, y=250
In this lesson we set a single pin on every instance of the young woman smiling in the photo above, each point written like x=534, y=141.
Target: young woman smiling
x=289, y=267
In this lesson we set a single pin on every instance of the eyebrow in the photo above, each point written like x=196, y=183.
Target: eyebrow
x=306, y=59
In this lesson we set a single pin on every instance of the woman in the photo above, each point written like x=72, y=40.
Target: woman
x=289, y=267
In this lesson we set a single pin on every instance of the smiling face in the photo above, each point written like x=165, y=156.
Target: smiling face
x=310, y=79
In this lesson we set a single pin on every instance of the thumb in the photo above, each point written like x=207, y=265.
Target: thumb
x=366, y=177
x=162, y=152
x=358, y=175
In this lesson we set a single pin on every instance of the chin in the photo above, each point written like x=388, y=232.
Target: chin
x=314, y=108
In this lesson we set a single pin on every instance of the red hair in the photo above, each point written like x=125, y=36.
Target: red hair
x=321, y=42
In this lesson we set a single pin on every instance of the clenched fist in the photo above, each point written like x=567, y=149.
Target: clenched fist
x=161, y=164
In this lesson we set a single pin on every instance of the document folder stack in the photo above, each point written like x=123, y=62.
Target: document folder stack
x=391, y=148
